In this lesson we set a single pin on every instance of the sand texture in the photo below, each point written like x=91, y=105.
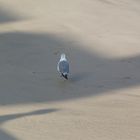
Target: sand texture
x=101, y=99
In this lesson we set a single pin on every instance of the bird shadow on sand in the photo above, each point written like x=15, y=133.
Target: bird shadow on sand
x=77, y=77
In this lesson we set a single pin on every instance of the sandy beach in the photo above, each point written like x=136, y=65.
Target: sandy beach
x=101, y=99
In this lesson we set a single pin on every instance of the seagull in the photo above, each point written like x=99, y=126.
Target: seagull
x=63, y=66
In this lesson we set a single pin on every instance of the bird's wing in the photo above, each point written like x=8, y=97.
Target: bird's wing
x=63, y=67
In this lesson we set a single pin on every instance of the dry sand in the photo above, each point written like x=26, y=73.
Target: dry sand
x=101, y=100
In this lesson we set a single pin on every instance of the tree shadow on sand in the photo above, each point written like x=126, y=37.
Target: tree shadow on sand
x=28, y=70
x=5, y=118
x=7, y=15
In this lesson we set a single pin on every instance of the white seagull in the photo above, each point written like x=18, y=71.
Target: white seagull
x=63, y=66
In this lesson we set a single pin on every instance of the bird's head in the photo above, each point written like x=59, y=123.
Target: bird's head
x=63, y=56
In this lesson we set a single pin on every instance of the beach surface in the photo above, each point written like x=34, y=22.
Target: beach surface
x=101, y=99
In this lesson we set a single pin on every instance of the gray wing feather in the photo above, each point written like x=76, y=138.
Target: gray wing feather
x=64, y=67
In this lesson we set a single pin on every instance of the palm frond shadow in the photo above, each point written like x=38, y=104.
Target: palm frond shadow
x=29, y=69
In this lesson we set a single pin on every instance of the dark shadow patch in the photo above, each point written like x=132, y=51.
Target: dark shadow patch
x=29, y=75
x=6, y=136
x=7, y=15
x=77, y=77
x=5, y=118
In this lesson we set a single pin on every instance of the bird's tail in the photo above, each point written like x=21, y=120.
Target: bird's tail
x=65, y=76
